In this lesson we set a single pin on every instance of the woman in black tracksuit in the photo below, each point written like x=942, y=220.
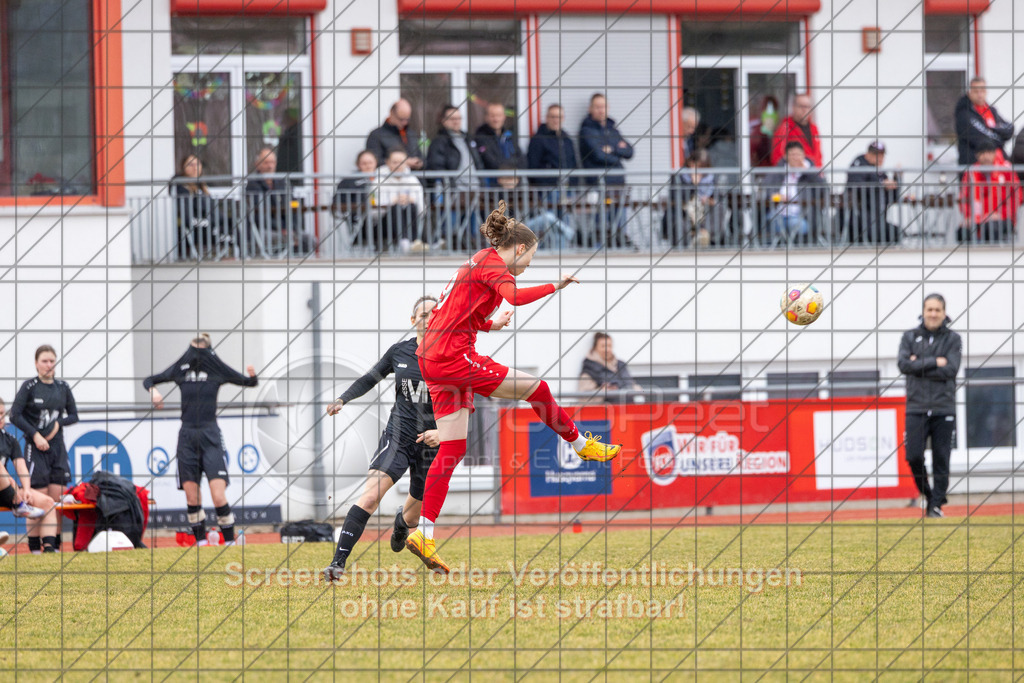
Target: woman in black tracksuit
x=930, y=358
x=199, y=374
x=42, y=408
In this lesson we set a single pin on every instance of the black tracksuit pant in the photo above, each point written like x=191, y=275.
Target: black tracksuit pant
x=942, y=430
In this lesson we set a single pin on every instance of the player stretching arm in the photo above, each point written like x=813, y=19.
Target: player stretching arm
x=454, y=371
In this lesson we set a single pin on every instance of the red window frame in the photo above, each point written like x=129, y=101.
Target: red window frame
x=107, y=115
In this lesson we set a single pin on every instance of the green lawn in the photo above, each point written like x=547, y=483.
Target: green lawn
x=898, y=600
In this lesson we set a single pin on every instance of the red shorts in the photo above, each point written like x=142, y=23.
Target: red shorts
x=453, y=382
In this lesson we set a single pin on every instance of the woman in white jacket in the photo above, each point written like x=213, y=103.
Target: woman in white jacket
x=400, y=196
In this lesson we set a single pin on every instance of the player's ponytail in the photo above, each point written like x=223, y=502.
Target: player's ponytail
x=203, y=341
x=504, y=231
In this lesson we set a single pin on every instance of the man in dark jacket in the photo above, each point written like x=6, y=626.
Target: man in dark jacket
x=601, y=144
x=869, y=193
x=394, y=132
x=551, y=148
x=930, y=358
x=496, y=143
x=794, y=198
x=976, y=120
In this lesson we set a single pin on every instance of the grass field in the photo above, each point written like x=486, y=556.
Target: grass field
x=897, y=599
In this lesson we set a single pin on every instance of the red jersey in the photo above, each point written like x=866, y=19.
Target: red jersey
x=468, y=301
x=986, y=196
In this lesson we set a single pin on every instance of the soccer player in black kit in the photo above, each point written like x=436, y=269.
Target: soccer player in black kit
x=409, y=441
x=199, y=373
x=41, y=409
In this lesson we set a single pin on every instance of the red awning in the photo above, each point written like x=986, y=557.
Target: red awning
x=247, y=7
x=731, y=8
x=955, y=6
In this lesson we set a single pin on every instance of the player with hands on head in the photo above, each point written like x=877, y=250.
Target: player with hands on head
x=199, y=373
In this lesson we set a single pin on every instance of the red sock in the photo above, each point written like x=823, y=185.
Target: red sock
x=439, y=475
x=551, y=414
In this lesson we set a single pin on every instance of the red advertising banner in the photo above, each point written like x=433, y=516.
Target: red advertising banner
x=709, y=454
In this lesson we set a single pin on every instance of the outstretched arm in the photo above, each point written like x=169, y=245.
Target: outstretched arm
x=377, y=373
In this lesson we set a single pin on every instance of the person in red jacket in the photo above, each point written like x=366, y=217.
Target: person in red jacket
x=989, y=199
x=454, y=371
x=798, y=127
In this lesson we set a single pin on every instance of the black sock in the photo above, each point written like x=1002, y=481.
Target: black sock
x=199, y=528
x=228, y=532
x=35, y=544
x=355, y=522
x=51, y=543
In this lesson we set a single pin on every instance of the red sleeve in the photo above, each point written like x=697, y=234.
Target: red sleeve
x=527, y=295
x=487, y=325
x=779, y=141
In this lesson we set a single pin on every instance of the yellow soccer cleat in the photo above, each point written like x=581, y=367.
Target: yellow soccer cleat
x=423, y=548
x=594, y=450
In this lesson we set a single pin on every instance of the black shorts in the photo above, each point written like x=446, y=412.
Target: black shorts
x=48, y=467
x=394, y=457
x=7, y=497
x=201, y=449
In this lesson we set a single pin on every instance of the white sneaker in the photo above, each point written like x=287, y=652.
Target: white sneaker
x=420, y=246
x=27, y=511
x=404, y=245
x=202, y=544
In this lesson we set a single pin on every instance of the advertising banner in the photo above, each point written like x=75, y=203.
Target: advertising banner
x=707, y=454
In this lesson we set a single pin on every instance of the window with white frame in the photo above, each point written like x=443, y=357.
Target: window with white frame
x=741, y=77
x=947, y=68
x=469, y=63
x=242, y=83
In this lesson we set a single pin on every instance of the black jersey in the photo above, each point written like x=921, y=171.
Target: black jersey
x=38, y=406
x=199, y=373
x=413, y=412
x=9, y=449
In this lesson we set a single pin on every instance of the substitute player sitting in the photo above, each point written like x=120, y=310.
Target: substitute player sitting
x=455, y=371
x=199, y=374
x=409, y=441
x=28, y=503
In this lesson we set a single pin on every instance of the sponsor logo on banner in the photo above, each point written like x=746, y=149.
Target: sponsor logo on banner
x=855, y=449
x=99, y=450
x=158, y=461
x=556, y=470
x=248, y=458
x=669, y=454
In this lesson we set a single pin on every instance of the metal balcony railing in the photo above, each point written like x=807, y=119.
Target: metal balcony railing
x=311, y=217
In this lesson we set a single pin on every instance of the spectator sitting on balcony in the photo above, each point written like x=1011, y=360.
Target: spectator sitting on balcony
x=199, y=221
x=979, y=125
x=602, y=371
x=402, y=195
x=551, y=148
x=394, y=132
x=989, y=199
x=796, y=193
x=798, y=127
x=354, y=197
x=554, y=231
x=603, y=147
x=274, y=215
x=496, y=142
x=869, y=194
x=693, y=213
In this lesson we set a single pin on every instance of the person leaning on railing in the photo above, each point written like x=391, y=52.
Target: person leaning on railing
x=869, y=194
x=199, y=217
x=693, y=214
x=990, y=196
x=602, y=371
x=273, y=213
x=354, y=200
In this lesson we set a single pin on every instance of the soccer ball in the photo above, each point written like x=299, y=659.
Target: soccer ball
x=802, y=304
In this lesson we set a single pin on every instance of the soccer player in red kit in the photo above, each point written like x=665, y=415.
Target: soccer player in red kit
x=454, y=371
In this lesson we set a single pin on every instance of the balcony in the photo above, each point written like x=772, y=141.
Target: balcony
x=319, y=217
